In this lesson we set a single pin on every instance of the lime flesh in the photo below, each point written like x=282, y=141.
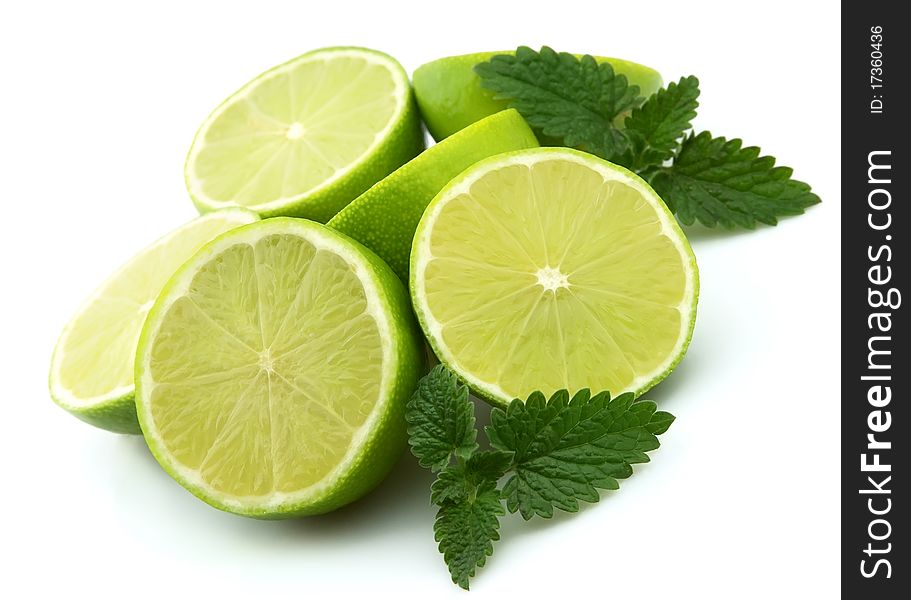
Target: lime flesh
x=273, y=370
x=551, y=268
x=306, y=137
x=92, y=367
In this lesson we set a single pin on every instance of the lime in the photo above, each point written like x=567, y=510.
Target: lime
x=450, y=95
x=92, y=367
x=551, y=268
x=273, y=370
x=307, y=137
x=384, y=217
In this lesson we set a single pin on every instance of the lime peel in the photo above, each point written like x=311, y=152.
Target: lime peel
x=384, y=217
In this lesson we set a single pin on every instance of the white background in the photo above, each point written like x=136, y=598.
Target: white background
x=98, y=106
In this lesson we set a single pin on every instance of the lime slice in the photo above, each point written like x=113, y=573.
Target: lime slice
x=450, y=95
x=274, y=368
x=384, y=217
x=92, y=367
x=551, y=268
x=307, y=137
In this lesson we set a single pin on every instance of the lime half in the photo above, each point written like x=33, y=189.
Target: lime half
x=92, y=368
x=274, y=368
x=551, y=268
x=307, y=137
x=450, y=95
x=384, y=217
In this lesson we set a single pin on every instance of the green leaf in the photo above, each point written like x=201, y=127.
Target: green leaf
x=452, y=484
x=567, y=449
x=466, y=530
x=660, y=422
x=656, y=127
x=573, y=100
x=718, y=182
x=456, y=482
x=490, y=464
x=440, y=419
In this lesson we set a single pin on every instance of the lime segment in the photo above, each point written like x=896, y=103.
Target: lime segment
x=273, y=370
x=306, y=137
x=551, y=268
x=92, y=367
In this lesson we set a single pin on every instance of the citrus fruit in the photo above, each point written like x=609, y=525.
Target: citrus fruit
x=92, y=367
x=307, y=137
x=450, y=95
x=273, y=370
x=550, y=268
x=384, y=217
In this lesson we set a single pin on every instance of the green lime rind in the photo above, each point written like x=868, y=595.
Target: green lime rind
x=482, y=389
x=450, y=96
x=385, y=217
x=117, y=415
x=115, y=410
x=384, y=438
x=401, y=142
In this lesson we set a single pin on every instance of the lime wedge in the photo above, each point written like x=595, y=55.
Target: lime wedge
x=273, y=370
x=551, y=268
x=307, y=137
x=92, y=367
x=450, y=95
x=384, y=217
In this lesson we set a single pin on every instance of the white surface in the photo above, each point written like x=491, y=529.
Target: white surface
x=98, y=107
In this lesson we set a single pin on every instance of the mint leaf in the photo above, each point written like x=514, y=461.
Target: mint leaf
x=440, y=420
x=456, y=482
x=466, y=530
x=490, y=464
x=717, y=181
x=561, y=96
x=660, y=422
x=656, y=127
x=567, y=449
x=453, y=484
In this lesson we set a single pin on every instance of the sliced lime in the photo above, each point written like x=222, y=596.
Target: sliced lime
x=450, y=95
x=307, y=137
x=273, y=370
x=551, y=268
x=92, y=368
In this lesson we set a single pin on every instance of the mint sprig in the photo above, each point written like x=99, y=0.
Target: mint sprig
x=553, y=453
x=579, y=103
